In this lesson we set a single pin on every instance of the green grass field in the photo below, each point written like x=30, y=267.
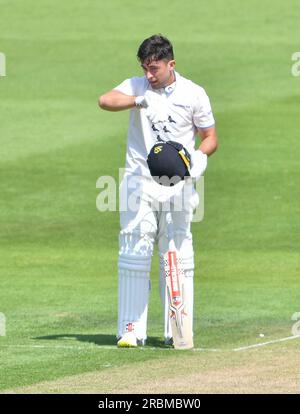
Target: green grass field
x=58, y=254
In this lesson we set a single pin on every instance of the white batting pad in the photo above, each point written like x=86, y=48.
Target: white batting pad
x=133, y=302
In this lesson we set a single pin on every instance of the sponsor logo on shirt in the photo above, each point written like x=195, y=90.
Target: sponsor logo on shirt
x=182, y=106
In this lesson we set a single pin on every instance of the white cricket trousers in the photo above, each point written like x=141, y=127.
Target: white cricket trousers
x=143, y=208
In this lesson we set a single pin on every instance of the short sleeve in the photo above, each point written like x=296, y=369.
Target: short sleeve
x=128, y=86
x=202, y=112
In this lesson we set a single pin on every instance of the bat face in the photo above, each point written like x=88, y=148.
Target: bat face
x=180, y=318
x=174, y=278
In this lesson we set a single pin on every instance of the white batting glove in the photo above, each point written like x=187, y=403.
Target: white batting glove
x=198, y=164
x=155, y=107
x=141, y=102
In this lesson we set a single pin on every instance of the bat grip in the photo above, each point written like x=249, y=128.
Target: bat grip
x=170, y=229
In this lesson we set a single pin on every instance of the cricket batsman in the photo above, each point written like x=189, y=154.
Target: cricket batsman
x=167, y=111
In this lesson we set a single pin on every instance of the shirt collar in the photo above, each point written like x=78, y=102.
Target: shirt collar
x=170, y=88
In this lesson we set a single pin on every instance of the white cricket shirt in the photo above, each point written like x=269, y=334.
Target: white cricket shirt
x=188, y=109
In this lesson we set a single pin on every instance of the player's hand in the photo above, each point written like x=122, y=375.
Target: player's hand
x=141, y=102
x=156, y=110
x=144, y=101
x=198, y=164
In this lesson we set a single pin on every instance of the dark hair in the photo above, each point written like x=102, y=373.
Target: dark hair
x=156, y=47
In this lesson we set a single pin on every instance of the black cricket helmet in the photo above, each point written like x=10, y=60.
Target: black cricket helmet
x=169, y=162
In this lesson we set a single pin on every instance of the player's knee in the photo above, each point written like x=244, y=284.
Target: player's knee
x=183, y=241
x=136, y=251
x=136, y=243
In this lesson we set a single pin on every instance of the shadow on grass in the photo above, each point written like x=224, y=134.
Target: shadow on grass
x=100, y=339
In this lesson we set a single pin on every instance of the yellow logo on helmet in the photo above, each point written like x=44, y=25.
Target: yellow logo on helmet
x=157, y=149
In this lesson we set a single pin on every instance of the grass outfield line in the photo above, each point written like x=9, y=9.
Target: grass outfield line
x=275, y=341
x=99, y=347
x=273, y=370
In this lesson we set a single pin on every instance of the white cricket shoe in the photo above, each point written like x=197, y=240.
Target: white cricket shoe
x=128, y=340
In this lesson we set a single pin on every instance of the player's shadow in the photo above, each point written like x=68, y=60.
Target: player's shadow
x=101, y=339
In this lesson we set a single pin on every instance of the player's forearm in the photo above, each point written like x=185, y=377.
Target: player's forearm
x=209, y=143
x=116, y=101
x=209, y=146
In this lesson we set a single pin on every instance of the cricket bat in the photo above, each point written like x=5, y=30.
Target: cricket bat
x=181, y=322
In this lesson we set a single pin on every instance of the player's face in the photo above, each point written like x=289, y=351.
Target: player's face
x=159, y=73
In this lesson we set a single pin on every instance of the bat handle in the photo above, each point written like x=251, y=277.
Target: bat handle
x=169, y=222
x=169, y=218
